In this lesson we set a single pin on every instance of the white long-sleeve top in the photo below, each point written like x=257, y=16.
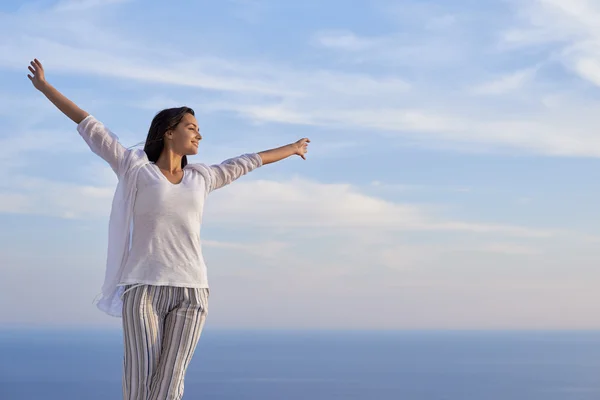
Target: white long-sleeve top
x=157, y=254
x=165, y=244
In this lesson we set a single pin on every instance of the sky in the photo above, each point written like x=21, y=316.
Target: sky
x=450, y=181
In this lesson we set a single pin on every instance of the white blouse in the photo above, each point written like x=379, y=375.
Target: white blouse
x=164, y=248
x=165, y=244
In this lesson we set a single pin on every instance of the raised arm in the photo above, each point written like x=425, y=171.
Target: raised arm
x=65, y=105
x=299, y=148
x=99, y=138
x=230, y=170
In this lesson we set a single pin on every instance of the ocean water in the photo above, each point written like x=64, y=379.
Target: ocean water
x=227, y=365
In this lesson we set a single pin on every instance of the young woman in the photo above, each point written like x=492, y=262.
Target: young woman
x=156, y=279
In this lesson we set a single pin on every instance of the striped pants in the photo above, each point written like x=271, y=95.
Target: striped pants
x=161, y=328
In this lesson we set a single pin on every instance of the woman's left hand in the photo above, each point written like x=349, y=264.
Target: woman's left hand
x=301, y=147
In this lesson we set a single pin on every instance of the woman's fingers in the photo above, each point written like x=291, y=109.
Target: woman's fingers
x=37, y=71
x=302, y=147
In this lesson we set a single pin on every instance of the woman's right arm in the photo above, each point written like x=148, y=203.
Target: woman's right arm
x=65, y=105
x=99, y=138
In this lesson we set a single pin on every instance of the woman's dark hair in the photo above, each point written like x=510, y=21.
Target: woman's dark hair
x=161, y=123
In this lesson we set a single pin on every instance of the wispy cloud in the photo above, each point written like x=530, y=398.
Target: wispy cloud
x=344, y=40
x=303, y=203
x=506, y=83
x=272, y=250
x=432, y=110
x=84, y=5
x=37, y=196
x=510, y=249
x=298, y=203
x=570, y=27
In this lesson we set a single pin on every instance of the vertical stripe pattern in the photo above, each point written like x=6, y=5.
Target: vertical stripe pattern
x=161, y=328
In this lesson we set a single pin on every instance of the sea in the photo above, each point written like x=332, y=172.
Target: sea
x=317, y=365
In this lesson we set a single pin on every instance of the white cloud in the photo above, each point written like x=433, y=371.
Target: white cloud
x=35, y=196
x=21, y=143
x=541, y=132
x=430, y=113
x=344, y=40
x=588, y=68
x=61, y=58
x=297, y=203
x=271, y=250
x=398, y=188
x=571, y=27
x=301, y=203
x=510, y=249
x=84, y=5
x=506, y=83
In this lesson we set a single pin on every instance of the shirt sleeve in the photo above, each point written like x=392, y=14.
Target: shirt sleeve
x=229, y=170
x=102, y=141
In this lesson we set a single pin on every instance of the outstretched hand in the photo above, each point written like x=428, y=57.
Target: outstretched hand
x=301, y=147
x=37, y=74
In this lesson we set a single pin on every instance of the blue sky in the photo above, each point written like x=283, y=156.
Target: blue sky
x=451, y=175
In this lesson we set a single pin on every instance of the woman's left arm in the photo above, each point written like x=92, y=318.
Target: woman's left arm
x=299, y=148
x=228, y=171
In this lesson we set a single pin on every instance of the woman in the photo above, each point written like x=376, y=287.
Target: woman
x=156, y=278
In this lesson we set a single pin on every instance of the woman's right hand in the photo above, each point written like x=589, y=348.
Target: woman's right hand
x=37, y=78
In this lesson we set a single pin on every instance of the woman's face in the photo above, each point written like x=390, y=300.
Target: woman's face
x=184, y=139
